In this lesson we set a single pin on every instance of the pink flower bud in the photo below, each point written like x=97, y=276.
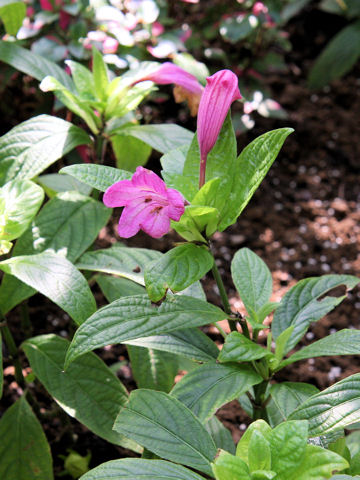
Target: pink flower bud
x=220, y=92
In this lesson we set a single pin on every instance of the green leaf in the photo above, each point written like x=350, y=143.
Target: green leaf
x=54, y=183
x=118, y=260
x=87, y=391
x=100, y=74
x=190, y=343
x=167, y=428
x=72, y=102
x=221, y=435
x=242, y=449
x=24, y=450
x=100, y=177
x=281, y=342
x=238, y=27
x=228, y=467
x=318, y=464
x=210, y=386
x=177, y=269
x=1, y=369
x=69, y=223
x=337, y=58
x=140, y=469
x=288, y=443
x=251, y=167
x=130, y=152
x=12, y=14
x=259, y=452
x=134, y=317
x=19, y=202
x=161, y=137
x=344, y=342
x=115, y=287
x=32, y=64
x=286, y=397
x=83, y=79
x=56, y=278
x=30, y=147
x=238, y=348
x=197, y=221
x=153, y=369
x=301, y=305
x=332, y=409
x=252, y=279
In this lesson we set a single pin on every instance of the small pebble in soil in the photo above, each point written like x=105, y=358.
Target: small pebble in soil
x=334, y=373
x=310, y=336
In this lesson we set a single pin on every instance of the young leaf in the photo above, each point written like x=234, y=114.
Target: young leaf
x=19, y=202
x=140, y=469
x=301, y=305
x=134, y=317
x=24, y=450
x=338, y=57
x=118, y=260
x=318, y=463
x=281, y=342
x=83, y=79
x=30, y=147
x=130, y=152
x=332, y=409
x=242, y=449
x=238, y=348
x=344, y=342
x=288, y=443
x=161, y=137
x=190, y=343
x=100, y=74
x=34, y=65
x=252, y=279
x=87, y=391
x=220, y=434
x=251, y=167
x=56, y=278
x=177, y=269
x=228, y=467
x=100, y=177
x=153, y=369
x=166, y=427
x=210, y=386
x=12, y=13
x=259, y=452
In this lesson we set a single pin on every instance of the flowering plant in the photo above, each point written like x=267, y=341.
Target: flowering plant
x=156, y=306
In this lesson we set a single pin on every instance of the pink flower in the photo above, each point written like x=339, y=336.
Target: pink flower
x=110, y=45
x=259, y=8
x=220, y=92
x=149, y=204
x=170, y=73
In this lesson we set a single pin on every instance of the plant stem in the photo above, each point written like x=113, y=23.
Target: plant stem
x=202, y=170
x=13, y=351
x=259, y=401
x=223, y=295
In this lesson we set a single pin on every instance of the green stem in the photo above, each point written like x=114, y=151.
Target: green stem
x=259, y=401
x=223, y=295
x=13, y=351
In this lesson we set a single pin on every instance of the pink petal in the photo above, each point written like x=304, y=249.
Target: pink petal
x=131, y=218
x=170, y=73
x=121, y=193
x=220, y=92
x=146, y=179
x=157, y=223
x=176, y=204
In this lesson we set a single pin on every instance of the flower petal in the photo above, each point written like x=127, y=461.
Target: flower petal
x=120, y=194
x=148, y=180
x=176, y=204
x=157, y=223
x=132, y=217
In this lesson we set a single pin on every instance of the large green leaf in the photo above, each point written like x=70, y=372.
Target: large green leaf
x=115, y=287
x=301, y=305
x=32, y=64
x=19, y=202
x=251, y=167
x=190, y=343
x=238, y=348
x=161, y=137
x=54, y=183
x=344, y=342
x=12, y=13
x=100, y=177
x=220, y=434
x=332, y=409
x=30, y=147
x=210, y=386
x=166, y=427
x=24, y=450
x=140, y=469
x=134, y=317
x=318, y=463
x=119, y=260
x=338, y=57
x=87, y=391
x=177, y=269
x=69, y=223
x=152, y=368
x=56, y=278
x=130, y=152
x=252, y=279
